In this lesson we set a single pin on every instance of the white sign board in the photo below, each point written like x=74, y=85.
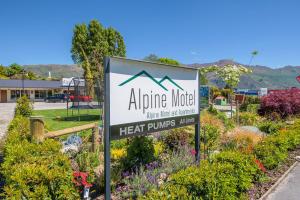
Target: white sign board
x=147, y=97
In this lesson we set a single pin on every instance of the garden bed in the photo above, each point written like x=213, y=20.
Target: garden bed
x=260, y=189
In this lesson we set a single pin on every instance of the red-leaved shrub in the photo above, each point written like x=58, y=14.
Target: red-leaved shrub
x=283, y=102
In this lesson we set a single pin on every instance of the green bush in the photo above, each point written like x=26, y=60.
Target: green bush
x=270, y=127
x=140, y=151
x=253, y=108
x=228, y=176
x=245, y=168
x=24, y=107
x=248, y=118
x=210, y=136
x=37, y=171
x=34, y=171
x=87, y=162
x=178, y=137
x=272, y=151
x=248, y=101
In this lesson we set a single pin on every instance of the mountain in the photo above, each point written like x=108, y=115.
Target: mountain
x=57, y=71
x=261, y=77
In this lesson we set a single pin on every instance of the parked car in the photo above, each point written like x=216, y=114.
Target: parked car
x=57, y=98
x=83, y=98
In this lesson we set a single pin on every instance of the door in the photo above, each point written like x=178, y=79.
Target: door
x=3, y=94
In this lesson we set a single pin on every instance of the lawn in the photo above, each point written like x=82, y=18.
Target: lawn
x=57, y=119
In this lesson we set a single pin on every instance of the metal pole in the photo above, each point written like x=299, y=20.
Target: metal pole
x=197, y=127
x=23, y=88
x=106, y=131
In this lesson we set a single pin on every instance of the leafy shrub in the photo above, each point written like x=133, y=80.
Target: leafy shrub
x=34, y=171
x=248, y=118
x=270, y=127
x=178, y=137
x=245, y=168
x=228, y=176
x=24, y=107
x=210, y=136
x=119, y=144
x=253, y=108
x=87, y=162
x=228, y=123
x=269, y=154
x=249, y=100
x=283, y=102
x=153, y=175
x=139, y=152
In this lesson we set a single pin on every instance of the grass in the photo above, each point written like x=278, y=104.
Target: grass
x=57, y=119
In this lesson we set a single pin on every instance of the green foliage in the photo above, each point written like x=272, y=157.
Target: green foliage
x=253, y=108
x=140, y=151
x=248, y=118
x=168, y=61
x=270, y=154
x=249, y=100
x=91, y=43
x=152, y=175
x=175, y=138
x=228, y=123
x=87, y=161
x=245, y=169
x=210, y=136
x=228, y=176
x=270, y=127
x=34, y=171
x=24, y=107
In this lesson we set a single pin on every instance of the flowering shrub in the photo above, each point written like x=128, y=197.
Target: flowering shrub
x=80, y=180
x=139, y=152
x=178, y=137
x=117, y=154
x=154, y=174
x=283, y=102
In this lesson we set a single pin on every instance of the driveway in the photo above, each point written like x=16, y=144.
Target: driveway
x=7, y=112
x=6, y=115
x=289, y=188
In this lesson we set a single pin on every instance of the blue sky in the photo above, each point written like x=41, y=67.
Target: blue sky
x=191, y=31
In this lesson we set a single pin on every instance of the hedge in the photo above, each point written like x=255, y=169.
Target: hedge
x=34, y=171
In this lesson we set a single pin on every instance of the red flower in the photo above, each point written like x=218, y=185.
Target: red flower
x=193, y=152
x=80, y=179
x=260, y=165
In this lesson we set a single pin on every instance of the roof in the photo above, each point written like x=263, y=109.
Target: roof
x=220, y=97
x=29, y=84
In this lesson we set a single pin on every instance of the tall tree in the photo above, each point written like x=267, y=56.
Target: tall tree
x=89, y=46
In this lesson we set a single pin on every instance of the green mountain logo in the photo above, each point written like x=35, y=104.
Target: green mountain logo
x=159, y=83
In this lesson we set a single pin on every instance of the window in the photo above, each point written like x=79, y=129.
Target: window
x=39, y=94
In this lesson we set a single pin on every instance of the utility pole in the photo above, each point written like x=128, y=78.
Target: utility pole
x=23, y=87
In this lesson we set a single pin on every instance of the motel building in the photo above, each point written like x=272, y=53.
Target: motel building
x=36, y=90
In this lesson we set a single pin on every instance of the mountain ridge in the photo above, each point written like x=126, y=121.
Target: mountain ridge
x=262, y=76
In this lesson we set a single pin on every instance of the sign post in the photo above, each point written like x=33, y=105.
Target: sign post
x=143, y=97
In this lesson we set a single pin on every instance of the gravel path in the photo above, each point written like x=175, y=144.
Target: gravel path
x=6, y=115
x=289, y=188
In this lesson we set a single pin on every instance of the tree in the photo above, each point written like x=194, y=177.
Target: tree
x=152, y=58
x=90, y=44
x=168, y=61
